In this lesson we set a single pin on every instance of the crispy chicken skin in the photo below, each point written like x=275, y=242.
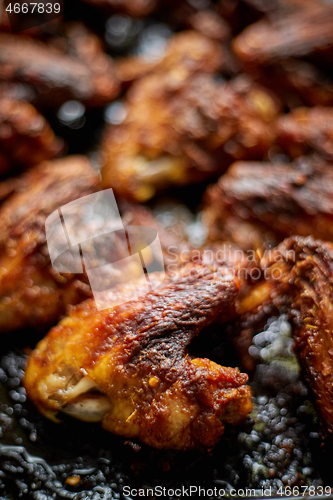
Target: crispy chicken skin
x=311, y=312
x=183, y=127
x=57, y=76
x=26, y=138
x=32, y=293
x=306, y=130
x=299, y=33
x=127, y=366
x=254, y=203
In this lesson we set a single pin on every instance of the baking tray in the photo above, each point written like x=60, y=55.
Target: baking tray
x=277, y=447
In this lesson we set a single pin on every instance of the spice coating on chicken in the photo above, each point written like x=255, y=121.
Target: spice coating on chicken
x=32, y=293
x=254, y=203
x=128, y=367
x=26, y=138
x=58, y=76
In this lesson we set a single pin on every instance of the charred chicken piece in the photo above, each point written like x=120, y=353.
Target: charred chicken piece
x=26, y=138
x=32, y=293
x=302, y=32
x=58, y=76
x=307, y=130
x=257, y=203
x=127, y=366
x=183, y=127
x=311, y=313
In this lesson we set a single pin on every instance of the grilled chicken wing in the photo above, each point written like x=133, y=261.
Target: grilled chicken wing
x=127, y=366
x=57, y=76
x=26, y=138
x=183, y=127
x=296, y=278
x=311, y=313
x=254, y=203
x=32, y=293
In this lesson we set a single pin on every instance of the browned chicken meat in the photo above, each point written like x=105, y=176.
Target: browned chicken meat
x=311, y=312
x=32, y=293
x=187, y=53
x=127, y=366
x=54, y=76
x=26, y=138
x=256, y=203
x=307, y=130
x=297, y=83
x=286, y=49
x=183, y=127
x=301, y=32
x=296, y=279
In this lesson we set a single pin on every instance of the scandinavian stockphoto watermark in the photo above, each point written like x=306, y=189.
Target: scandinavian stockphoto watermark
x=88, y=235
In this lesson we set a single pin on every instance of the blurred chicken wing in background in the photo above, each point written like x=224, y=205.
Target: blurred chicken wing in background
x=26, y=138
x=262, y=203
x=182, y=126
x=32, y=293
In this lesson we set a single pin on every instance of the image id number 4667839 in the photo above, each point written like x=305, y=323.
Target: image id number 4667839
x=33, y=7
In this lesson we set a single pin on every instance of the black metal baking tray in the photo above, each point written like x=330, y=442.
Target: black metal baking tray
x=277, y=447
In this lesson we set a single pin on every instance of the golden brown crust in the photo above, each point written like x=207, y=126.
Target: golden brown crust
x=136, y=354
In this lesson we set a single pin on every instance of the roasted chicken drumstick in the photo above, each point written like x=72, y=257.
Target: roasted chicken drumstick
x=127, y=366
